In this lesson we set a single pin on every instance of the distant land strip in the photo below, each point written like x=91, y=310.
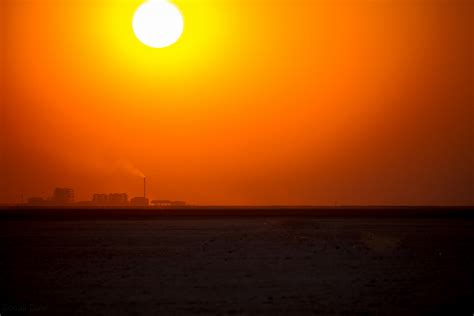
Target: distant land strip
x=74, y=212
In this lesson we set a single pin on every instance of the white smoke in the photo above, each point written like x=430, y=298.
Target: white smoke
x=125, y=166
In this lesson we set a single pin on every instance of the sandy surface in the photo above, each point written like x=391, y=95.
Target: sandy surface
x=218, y=265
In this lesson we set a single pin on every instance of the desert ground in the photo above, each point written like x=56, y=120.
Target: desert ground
x=211, y=265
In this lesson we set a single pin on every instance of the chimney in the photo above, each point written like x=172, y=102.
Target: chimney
x=144, y=187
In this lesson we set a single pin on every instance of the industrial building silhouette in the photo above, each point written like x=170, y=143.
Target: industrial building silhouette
x=66, y=197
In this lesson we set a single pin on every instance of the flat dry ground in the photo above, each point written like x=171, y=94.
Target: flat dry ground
x=237, y=265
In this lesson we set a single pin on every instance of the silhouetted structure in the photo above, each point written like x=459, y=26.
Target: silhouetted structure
x=100, y=198
x=63, y=195
x=178, y=203
x=144, y=187
x=36, y=201
x=139, y=201
x=161, y=202
x=167, y=203
x=118, y=199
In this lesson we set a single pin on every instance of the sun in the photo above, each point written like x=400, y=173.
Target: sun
x=158, y=23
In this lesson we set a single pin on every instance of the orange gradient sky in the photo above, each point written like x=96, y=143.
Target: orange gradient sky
x=259, y=102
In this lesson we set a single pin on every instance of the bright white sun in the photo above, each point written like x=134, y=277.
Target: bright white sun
x=158, y=23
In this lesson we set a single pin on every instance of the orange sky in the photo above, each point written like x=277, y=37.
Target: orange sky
x=260, y=102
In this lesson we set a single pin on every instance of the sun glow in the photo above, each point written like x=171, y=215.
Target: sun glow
x=158, y=23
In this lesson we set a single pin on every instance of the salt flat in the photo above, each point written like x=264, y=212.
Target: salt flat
x=237, y=265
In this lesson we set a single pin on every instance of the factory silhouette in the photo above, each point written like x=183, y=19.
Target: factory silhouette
x=66, y=197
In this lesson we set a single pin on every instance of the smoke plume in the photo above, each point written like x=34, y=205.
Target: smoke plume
x=127, y=167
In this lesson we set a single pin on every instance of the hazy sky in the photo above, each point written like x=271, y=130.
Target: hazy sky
x=260, y=102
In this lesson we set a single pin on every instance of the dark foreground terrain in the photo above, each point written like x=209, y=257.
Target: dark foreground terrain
x=278, y=265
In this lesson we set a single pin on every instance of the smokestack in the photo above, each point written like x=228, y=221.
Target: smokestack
x=144, y=187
